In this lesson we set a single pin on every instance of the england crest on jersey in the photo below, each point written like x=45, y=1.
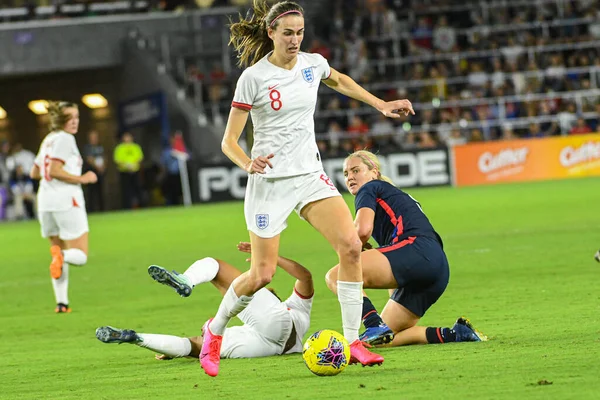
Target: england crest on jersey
x=308, y=75
x=262, y=221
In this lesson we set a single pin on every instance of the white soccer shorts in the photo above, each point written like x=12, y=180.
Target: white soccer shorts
x=67, y=225
x=270, y=201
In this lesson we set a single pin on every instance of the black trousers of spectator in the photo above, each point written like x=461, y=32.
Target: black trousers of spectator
x=172, y=189
x=29, y=208
x=95, y=200
x=131, y=191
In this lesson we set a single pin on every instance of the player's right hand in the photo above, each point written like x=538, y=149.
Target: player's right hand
x=259, y=164
x=89, y=177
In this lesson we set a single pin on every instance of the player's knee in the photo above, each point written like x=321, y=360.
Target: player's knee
x=350, y=248
x=262, y=276
x=331, y=279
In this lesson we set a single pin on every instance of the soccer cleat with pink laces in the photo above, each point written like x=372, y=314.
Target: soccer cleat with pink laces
x=360, y=354
x=210, y=354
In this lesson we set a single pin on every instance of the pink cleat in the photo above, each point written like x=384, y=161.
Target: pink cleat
x=360, y=354
x=210, y=354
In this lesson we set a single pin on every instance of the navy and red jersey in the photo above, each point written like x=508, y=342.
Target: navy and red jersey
x=398, y=216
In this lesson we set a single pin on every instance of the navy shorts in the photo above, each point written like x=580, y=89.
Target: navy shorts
x=421, y=269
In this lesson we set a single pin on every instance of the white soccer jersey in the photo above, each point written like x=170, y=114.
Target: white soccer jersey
x=282, y=105
x=55, y=195
x=300, y=308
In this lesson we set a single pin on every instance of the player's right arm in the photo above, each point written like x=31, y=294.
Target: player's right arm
x=229, y=145
x=35, y=173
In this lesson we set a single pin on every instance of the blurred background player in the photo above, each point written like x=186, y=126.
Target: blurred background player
x=410, y=260
x=128, y=157
x=597, y=256
x=279, y=88
x=271, y=327
x=60, y=202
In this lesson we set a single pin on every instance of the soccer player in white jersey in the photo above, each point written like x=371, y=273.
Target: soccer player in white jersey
x=279, y=90
x=271, y=327
x=60, y=202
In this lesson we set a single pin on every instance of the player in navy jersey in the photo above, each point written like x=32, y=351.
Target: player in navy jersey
x=278, y=90
x=410, y=260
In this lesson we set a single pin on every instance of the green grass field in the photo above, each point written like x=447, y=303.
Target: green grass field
x=522, y=270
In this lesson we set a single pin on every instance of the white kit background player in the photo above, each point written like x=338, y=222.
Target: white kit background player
x=279, y=89
x=271, y=327
x=60, y=201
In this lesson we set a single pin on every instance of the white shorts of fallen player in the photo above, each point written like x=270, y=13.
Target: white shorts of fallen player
x=267, y=327
x=270, y=201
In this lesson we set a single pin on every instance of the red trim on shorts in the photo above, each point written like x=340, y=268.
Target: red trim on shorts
x=75, y=203
x=303, y=297
x=398, y=245
x=58, y=159
x=439, y=335
x=243, y=106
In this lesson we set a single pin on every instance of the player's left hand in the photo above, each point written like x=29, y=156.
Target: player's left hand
x=162, y=357
x=397, y=108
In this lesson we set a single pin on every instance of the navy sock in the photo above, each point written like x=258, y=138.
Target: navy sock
x=440, y=335
x=370, y=317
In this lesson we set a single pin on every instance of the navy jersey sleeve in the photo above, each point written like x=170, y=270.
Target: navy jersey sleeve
x=367, y=196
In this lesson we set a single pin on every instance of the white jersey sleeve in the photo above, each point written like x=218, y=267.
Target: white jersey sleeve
x=246, y=91
x=323, y=68
x=62, y=148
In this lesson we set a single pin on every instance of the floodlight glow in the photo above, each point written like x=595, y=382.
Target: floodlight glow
x=38, y=107
x=94, y=100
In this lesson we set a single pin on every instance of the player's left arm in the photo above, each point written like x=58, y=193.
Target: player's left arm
x=347, y=86
x=364, y=223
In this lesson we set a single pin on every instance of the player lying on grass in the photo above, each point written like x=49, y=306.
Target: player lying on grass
x=271, y=327
x=410, y=260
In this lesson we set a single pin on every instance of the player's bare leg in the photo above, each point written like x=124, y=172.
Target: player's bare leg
x=59, y=272
x=332, y=218
x=237, y=297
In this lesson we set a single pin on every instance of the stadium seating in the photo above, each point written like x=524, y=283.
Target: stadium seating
x=473, y=70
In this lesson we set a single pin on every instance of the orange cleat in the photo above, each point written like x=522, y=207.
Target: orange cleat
x=360, y=354
x=61, y=308
x=56, y=265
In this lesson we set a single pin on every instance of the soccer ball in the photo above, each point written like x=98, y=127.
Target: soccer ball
x=326, y=353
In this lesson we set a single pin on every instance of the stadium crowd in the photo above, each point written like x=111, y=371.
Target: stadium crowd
x=488, y=73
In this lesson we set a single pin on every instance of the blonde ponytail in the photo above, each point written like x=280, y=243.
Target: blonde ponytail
x=56, y=112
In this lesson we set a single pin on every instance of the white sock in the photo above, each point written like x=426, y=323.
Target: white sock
x=61, y=286
x=172, y=346
x=202, y=271
x=350, y=297
x=231, y=305
x=75, y=256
